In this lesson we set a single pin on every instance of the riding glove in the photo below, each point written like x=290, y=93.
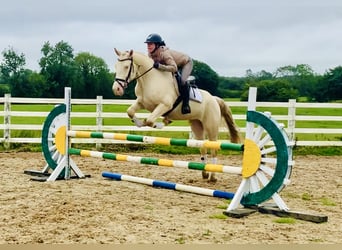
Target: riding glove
x=156, y=65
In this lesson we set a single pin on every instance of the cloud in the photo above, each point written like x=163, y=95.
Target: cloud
x=230, y=36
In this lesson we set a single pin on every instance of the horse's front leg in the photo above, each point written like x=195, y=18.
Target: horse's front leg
x=155, y=114
x=131, y=111
x=213, y=155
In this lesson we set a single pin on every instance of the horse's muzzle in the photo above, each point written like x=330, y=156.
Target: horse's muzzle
x=117, y=88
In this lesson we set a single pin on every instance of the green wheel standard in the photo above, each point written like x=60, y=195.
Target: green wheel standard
x=54, y=121
x=275, y=165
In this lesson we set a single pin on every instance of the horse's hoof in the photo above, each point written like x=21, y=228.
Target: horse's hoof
x=212, y=180
x=138, y=122
x=205, y=175
x=158, y=125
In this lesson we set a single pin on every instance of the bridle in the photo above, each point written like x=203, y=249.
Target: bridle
x=124, y=82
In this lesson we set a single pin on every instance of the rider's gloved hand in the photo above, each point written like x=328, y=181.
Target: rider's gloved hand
x=156, y=65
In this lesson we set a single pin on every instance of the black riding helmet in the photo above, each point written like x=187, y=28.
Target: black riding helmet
x=155, y=38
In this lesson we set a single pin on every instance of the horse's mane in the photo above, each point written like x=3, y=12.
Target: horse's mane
x=144, y=56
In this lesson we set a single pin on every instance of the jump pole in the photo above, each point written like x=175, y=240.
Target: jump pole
x=193, y=143
x=169, y=185
x=158, y=162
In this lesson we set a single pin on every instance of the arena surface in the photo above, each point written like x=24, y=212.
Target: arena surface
x=98, y=210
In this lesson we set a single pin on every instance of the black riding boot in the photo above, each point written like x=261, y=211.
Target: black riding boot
x=184, y=91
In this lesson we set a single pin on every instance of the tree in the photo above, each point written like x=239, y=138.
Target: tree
x=13, y=63
x=4, y=89
x=19, y=81
x=301, y=77
x=259, y=76
x=11, y=70
x=29, y=84
x=206, y=78
x=58, y=67
x=329, y=87
x=231, y=86
x=95, y=77
x=278, y=90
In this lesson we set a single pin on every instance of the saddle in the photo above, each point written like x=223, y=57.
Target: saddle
x=194, y=92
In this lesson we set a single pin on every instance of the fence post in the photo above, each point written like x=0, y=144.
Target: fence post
x=7, y=121
x=99, y=119
x=291, y=122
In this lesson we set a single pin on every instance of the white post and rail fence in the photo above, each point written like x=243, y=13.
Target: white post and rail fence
x=9, y=136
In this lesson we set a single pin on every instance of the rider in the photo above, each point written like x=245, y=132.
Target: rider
x=170, y=60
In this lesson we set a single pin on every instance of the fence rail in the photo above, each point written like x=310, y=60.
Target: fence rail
x=291, y=118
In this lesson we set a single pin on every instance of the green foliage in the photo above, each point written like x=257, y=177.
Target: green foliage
x=28, y=84
x=4, y=89
x=13, y=63
x=17, y=80
x=329, y=87
x=94, y=75
x=278, y=90
x=206, y=78
x=231, y=87
x=59, y=69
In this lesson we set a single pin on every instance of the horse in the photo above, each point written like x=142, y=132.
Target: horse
x=157, y=92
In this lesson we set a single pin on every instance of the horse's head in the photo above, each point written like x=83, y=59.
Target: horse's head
x=124, y=69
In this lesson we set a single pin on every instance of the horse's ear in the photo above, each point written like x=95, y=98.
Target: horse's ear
x=131, y=52
x=117, y=52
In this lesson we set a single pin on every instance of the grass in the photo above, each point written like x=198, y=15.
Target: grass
x=322, y=151
x=207, y=233
x=327, y=202
x=224, y=205
x=218, y=216
x=179, y=150
x=180, y=240
x=306, y=197
x=323, y=200
x=285, y=220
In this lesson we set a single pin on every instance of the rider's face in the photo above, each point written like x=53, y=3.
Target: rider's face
x=150, y=47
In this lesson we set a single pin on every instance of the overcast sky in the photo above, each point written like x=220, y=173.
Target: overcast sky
x=231, y=36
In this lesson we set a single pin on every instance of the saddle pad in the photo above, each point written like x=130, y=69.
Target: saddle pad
x=195, y=94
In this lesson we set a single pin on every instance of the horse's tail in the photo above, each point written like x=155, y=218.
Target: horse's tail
x=226, y=113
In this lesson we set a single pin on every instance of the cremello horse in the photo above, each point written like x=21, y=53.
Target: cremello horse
x=157, y=92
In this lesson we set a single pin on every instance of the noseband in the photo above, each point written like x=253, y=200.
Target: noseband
x=124, y=82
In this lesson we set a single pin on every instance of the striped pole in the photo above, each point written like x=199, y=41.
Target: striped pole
x=158, y=140
x=159, y=162
x=169, y=185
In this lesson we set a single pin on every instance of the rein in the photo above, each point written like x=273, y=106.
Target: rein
x=124, y=82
